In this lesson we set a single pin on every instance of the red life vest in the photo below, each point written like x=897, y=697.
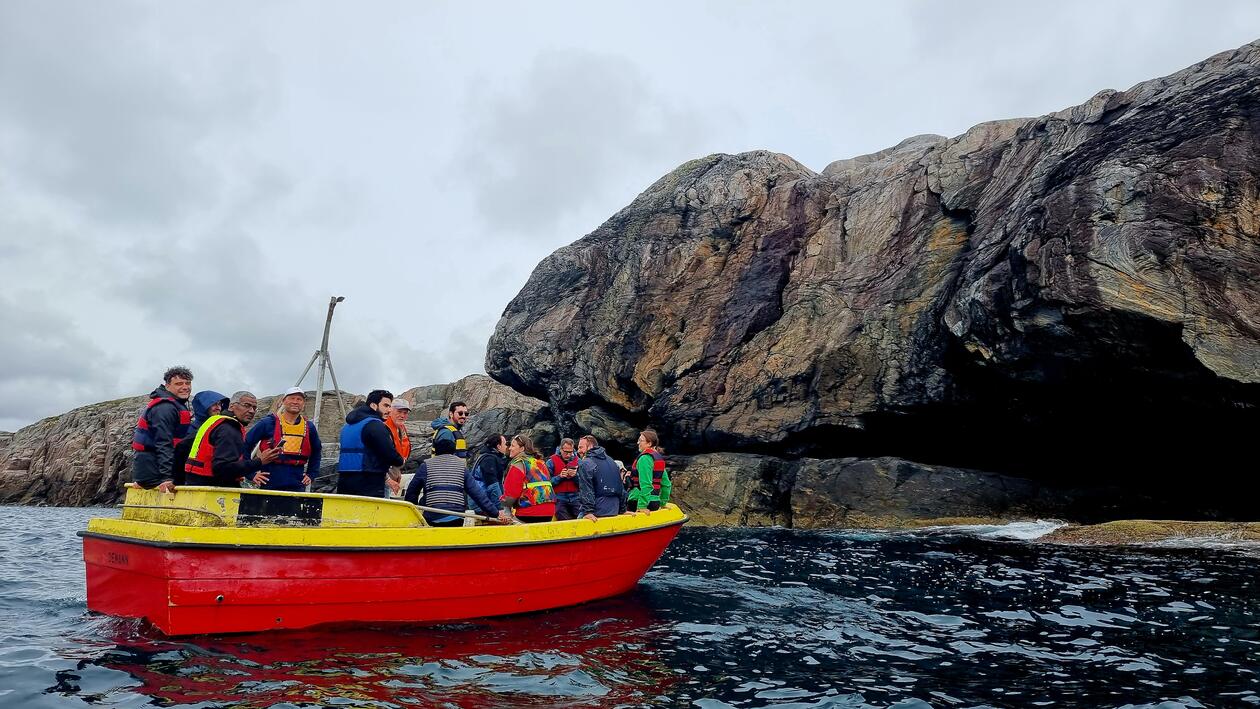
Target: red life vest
x=277, y=441
x=201, y=457
x=142, y=438
x=537, y=489
x=658, y=470
x=558, y=464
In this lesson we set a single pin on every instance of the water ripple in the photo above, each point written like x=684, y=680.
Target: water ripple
x=948, y=617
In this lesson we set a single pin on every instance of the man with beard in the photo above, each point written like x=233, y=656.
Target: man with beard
x=599, y=482
x=367, y=448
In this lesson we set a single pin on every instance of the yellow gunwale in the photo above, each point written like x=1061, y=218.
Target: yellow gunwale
x=351, y=523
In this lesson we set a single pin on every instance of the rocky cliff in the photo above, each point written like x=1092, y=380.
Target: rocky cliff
x=1071, y=300
x=83, y=457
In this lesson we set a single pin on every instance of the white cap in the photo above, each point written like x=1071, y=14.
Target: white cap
x=293, y=390
x=402, y=404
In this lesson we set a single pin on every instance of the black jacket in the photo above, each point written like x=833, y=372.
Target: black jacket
x=378, y=444
x=229, y=461
x=152, y=468
x=491, y=466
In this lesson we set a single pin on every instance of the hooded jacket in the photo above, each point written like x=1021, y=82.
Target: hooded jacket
x=151, y=468
x=377, y=442
x=445, y=440
x=599, y=485
x=229, y=464
x=201, y=404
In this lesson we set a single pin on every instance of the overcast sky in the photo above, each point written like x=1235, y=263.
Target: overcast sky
x=188, y=182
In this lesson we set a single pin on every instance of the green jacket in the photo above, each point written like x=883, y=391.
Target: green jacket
x=641, y=490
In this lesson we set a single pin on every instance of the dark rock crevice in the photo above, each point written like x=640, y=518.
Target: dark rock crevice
x=1069, y=300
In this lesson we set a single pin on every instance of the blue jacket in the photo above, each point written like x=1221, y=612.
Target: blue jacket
x=201, y=404
x=599, y=485
x=284, y=476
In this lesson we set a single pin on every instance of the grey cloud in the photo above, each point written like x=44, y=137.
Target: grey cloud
x=49, y=366
x=575, y=125
x=246, y=317
x=99, y=114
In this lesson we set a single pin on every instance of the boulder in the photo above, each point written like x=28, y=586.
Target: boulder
x=1070, y=299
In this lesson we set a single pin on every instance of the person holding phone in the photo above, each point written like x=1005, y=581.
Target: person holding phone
x=295, y=437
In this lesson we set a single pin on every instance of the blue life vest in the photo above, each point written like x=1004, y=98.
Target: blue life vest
x=354, y=457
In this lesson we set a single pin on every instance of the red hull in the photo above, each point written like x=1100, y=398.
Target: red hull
x=191, y=591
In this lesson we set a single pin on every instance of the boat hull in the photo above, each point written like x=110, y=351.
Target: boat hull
x=197, y=589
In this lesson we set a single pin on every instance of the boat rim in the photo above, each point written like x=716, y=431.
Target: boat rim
x=163, y=544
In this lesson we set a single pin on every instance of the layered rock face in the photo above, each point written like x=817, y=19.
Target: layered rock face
x=1072, y=299
x=494, y=408
x=83, y=457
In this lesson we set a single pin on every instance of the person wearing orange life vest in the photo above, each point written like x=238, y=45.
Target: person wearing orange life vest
x=204, y=405
x=649, y=484
x=218, y=452
x=396, y=422
x=295, y=436
x=527, y=487
x=163, y=423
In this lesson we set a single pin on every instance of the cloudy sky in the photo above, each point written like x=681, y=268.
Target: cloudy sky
x=189, y=182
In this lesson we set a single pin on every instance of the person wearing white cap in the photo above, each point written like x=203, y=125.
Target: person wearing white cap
x=396, y=422
x=295, y=436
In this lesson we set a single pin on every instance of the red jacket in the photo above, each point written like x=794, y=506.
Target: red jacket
x=514, y=487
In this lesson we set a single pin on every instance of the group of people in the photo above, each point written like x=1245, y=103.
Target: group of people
x=211, y=443
x=503, y=479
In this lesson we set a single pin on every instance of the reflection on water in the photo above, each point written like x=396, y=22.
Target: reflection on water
x=941, y=618
x=598, y=650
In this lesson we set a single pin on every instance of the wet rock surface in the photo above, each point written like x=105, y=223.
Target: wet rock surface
x=1071, y=300
x=810, y=493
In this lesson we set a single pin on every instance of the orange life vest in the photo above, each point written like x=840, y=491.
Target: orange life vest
x=402, y=442
x=279, y=439
x=201, y=457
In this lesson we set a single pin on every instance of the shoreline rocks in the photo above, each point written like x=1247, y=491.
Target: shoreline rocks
x=83, y=457
x=1146, y=531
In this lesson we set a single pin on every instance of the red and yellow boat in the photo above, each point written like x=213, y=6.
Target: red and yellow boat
x=220, y=560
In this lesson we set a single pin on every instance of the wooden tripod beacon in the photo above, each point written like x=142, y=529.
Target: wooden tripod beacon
x=325, y=362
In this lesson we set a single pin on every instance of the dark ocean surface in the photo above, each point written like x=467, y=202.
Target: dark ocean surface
x=959, y=617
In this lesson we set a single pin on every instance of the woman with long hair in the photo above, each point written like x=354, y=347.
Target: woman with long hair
x=527, y=487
